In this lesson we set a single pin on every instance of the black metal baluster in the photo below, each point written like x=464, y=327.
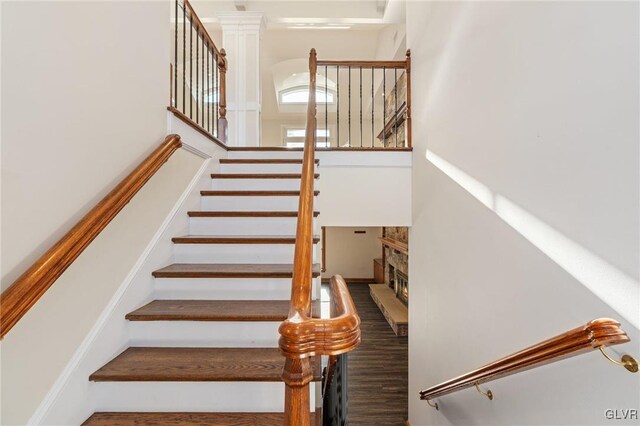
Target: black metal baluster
x=210, y=80
x=326, y=110
x=208, y=98
x=191, y=68
x=216, y=105
x=338, y=104
x=197, y=73
x=204, y=86
x=349, y=105
x=175, y=62
x=184, y=58
x=360, y=107
x=212, y=89
x=384, y=106
x=373, y=106
x=395, y=114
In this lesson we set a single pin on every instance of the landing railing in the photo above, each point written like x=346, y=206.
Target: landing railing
x=364, y=104
x=595, y=335
x=198, y=75
x=301, y=336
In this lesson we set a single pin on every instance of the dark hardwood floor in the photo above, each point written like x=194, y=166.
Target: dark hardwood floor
x=378, y=369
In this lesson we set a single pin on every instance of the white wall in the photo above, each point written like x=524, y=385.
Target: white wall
x=73, y=398
x=525, y=203
x=364, y=188
x=37, y=350
x=85, y=87
x=282, y=45
x=350, y=254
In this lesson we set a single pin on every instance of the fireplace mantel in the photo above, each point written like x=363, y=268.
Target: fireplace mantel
x=395, y=244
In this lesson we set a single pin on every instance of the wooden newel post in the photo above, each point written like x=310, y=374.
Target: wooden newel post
x=222, y=105
x=297, y=375
x=408, y=137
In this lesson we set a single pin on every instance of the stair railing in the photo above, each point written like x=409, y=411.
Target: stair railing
x=16, y=300
x=198, y=75
x=595, y=335
x=365, y=104
x=301, y=336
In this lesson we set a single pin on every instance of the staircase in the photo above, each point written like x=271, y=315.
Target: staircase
x=205, y=350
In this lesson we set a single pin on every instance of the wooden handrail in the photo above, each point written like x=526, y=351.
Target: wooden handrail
x=198, y=23
x=364, y=64
x=31, y=285
x=302, y=336
x=595, y=335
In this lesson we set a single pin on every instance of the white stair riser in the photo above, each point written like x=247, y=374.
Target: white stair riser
x=234, y=253
x=260, y=168
x=255, y=184
x=250, y=203
x=281, y=154
x=226, y=288
x=243, y=225
x=192, y=396
x=219, y=334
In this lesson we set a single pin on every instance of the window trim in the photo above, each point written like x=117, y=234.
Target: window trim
x=319, y=91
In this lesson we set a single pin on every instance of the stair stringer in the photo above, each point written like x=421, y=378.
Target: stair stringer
x=73, y=398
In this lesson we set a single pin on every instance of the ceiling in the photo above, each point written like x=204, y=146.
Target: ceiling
x=306, y=14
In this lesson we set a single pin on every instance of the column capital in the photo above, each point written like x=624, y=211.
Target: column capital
x=245, y=21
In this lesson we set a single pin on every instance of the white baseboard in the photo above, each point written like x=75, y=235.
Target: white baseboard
x=63, y=379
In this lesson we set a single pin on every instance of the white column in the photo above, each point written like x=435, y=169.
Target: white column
x=241, y=36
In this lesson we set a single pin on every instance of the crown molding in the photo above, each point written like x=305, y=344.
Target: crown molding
x=252, y=21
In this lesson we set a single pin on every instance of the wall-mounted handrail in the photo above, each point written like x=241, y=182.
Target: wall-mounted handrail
x=595, y=335
x=302, y=336
x=365, y=104
x=198, y=80
x=16, y=300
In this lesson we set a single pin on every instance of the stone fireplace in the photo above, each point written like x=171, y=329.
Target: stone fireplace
x=391, y=291
x=396, y=263
x=391, y=279
x=402, y=287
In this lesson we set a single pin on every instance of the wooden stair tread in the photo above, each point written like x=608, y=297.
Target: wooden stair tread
x=238, y=239
x=229, y=270
x=259, y=175
x=205, y=213
x=233, y=193
x=186, y=419
x=263, y=161
x=161, y=364
x=215, y=310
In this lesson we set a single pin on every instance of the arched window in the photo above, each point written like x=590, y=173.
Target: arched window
x=300, y=95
